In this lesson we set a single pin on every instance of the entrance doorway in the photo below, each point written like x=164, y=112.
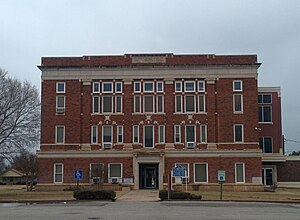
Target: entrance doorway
x=148, y=176
x=267, y=176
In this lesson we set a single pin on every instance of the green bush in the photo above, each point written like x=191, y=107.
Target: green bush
x=95, y=195
x=163, y=195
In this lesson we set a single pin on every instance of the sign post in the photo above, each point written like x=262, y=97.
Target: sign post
x=180, y=171
x=78, y=175
x=221, y=179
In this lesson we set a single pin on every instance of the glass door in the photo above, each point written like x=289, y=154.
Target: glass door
x=150, y=177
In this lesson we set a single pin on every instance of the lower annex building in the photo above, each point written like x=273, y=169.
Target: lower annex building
x=131, y=118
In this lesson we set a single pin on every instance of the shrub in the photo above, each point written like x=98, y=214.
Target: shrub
x=94, y=195
x=163, y=194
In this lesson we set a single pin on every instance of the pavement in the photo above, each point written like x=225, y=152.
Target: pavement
x=140, y=196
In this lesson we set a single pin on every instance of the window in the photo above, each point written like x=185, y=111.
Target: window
x=107, y=104
x=190, y=136
x=96, y=87
x=115, y=170
x=96, y=104
x=237, y=103
x=60, y=134
x=178, y=86
x=200, y=172
x=120, y=134
x=265, y=99
x=60, y=104
x=149, y=103
x=118, y=104
x=264, y=114
x=177, y=133
x=203, y=133
x=161, y=134
x=201, y=103
x=189, y=86
x=135, y=136
x=239, y=172
x=265, y=144
x=201, y=86
x=160, y=103
x=96, y=172
x=137, y=86
x=238, y=133
x=107, y=87
x=148, y=136
x=159, y=86
x=107, y=134
x=178, y=103
x=148, y=86
x=58, y=172
x=94, y=135
x=237, y=86
x=137, y=103
x=60, y=87
x=189, y=103
x=118, y=87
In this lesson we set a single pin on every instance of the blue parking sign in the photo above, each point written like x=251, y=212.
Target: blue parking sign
x=78, y=174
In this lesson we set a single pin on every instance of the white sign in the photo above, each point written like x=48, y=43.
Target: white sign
x=221, y=175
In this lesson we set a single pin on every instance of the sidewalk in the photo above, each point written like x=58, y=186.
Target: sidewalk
x=140, y=196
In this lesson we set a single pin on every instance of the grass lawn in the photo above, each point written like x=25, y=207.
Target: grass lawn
x=281, y=194
x=19, y=193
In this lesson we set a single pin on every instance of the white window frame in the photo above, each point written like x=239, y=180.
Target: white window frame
x=116, y=86
x=64, y=83
x=234, y=136
x=204, y=110
x=153, y=136
x=98, y=97
x=235, y=172
x=195, y=172
x=144, y=103
x=179, y=126
x=185, y=82
x=202, y=82
x=242, y=108
x=112, y=104
x=178, y=82
x=118, y=133
x=60, y=110
x=115, y=176
x=162, y=86
x=91, y=177
x=92, y=129
x=161, y=128
x=112, y=87
x=144, y=86
x=116, y=103
x=263, y=147
x=162, y=103
x=185, y=134
x=181, y=109
x=96, y=83
x=203, y=126
x=112, y=134
x=138, y=134
x=265, y=103
x=186, y=104
x=140, y=85
x=263, y=119
x=233, y=85
x=62, y=172
x=134, y=104
x=64, y=133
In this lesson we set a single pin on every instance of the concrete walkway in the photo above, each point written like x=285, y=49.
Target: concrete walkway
x=140, y=196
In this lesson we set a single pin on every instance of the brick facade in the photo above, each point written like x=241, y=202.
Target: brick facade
x=211, y=133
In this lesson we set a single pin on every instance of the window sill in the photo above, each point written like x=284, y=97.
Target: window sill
x=149, y=113
x=190, y=113
x=266, y=123
x=107, y=114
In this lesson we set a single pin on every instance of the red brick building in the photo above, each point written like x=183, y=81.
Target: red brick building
x=131, y=118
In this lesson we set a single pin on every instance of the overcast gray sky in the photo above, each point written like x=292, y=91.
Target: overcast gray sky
x=270, y=28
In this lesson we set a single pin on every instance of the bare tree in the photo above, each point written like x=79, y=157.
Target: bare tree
x=19, y=116
x=26, y=163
